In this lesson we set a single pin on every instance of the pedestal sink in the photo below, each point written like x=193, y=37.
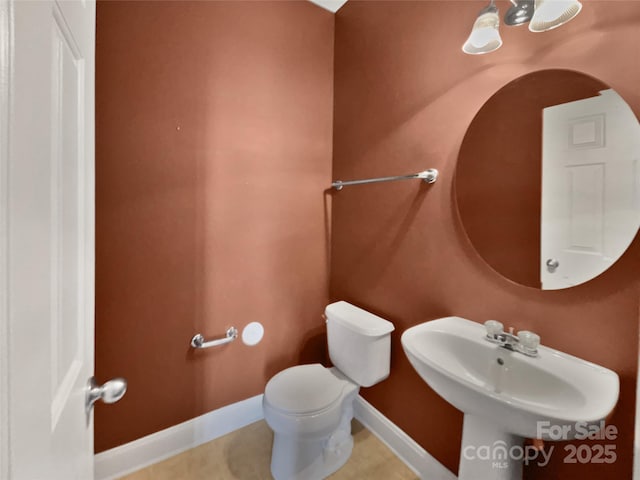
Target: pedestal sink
x=507, y=396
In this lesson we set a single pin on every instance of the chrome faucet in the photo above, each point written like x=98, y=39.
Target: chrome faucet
x=524, y=342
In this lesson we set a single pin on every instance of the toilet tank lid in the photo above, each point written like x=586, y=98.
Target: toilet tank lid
x=358, y=320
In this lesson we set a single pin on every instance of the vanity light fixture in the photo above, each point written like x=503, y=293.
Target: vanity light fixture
x=542, y=15
x=484, y=37
x=520, y=13
x=550, y=14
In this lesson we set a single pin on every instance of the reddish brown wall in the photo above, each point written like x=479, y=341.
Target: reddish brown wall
x=214, y=131
x=503, y=148
x=404, y=97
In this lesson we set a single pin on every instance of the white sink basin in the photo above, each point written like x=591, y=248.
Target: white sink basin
x=507, y=396
x=508, y=392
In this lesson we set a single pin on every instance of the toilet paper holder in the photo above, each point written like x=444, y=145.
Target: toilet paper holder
x=198, y=340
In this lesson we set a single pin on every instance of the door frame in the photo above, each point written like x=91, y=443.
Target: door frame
x=6, y=48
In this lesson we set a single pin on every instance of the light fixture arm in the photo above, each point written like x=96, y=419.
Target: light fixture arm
x=491, y=8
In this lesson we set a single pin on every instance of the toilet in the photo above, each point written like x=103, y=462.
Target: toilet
x=310, y=407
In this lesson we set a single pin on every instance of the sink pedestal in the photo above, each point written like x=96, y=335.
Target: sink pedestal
x=488, y=453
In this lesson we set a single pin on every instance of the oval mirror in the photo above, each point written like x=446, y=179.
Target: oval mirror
x=548, y=179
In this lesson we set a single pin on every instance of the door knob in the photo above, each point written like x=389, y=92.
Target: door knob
x=552, y=264
x=109, y=392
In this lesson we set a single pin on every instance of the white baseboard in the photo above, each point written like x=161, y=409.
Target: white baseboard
x=412, y=454
x=159, y=446
x=156, y=447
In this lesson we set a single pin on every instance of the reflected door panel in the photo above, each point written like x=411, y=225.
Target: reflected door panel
x=589, y=188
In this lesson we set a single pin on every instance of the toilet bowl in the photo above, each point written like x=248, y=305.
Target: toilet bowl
x=310, y=407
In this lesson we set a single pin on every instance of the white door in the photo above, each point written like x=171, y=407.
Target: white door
x=590, y=183
x=46, y=237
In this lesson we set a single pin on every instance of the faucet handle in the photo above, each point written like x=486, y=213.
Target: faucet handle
x=493, y=328
x=529, y=340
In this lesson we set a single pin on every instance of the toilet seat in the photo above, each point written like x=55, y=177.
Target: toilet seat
x=304, y=390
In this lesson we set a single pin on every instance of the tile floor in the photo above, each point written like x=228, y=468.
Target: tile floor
x=245, y=455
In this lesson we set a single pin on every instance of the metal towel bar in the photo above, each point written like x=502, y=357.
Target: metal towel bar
x=198, y=340
x=429, y=176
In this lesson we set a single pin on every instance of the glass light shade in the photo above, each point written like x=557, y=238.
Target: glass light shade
x=485, y=36
x=550, y=14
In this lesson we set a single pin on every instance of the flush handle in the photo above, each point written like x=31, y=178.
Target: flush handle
x=109, y=392
x=552, y=265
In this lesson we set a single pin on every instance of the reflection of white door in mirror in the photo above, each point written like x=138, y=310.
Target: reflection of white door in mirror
x=590, y=186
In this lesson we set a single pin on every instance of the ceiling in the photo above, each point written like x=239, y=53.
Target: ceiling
x=331, y=5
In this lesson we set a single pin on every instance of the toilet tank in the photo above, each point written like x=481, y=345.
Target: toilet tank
x=359, y=343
